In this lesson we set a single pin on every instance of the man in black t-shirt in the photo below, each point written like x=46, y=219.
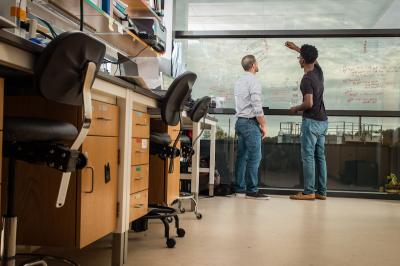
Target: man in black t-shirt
x=314, y=124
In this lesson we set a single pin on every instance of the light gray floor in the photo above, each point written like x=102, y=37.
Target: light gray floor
x=275, y=232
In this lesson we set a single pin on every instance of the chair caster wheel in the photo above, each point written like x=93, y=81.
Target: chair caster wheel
x=171, y=243
x=182, y=210
x=181, y=232
x=169, y=220
x=199, y=216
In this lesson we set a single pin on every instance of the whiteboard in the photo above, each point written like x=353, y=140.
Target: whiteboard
x=360, y=73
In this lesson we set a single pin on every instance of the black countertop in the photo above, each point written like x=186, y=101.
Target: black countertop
x=36, y=49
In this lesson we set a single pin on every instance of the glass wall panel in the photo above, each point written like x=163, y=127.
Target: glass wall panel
x=359, y=156
x=360, y=73
x=203, y=15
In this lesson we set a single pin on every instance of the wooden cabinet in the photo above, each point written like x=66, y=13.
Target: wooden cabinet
x=157, y=125
x=139, y=164
x=164, y=186
x=140, y=151
x=140, y=124
x=173, y=181
x=98, y=188
x=90, y=210
x=139, y=178
x=105, y=119
x=138, y=205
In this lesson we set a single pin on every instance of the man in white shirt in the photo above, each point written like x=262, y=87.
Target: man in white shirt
x=250, y=128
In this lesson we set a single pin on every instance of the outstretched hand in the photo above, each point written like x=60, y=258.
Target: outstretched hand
x=292, y=45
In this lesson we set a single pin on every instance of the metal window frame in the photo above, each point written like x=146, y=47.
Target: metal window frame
x=285, y=112
x=333, y=33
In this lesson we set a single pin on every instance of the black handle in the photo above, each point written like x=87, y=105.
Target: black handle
x=107, y=173
x=104, y=118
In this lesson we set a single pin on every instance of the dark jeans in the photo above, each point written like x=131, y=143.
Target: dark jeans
x=248, y=155
x=313, y=155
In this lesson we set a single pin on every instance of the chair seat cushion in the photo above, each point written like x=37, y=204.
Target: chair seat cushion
x=24, y=129
x=160, y=138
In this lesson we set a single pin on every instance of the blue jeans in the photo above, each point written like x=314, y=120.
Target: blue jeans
x=313, y=155
x=248, y=155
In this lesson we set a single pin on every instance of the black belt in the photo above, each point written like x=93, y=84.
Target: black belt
x=247, y=118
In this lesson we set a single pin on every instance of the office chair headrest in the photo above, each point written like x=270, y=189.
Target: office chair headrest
x=59, y=71
x=200, y=109
x=173, y=101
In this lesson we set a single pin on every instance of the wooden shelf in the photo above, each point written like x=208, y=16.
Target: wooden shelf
x=139, y=8
x=106, y=27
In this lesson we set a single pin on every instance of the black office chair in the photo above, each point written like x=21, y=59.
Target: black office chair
x=160, y=144
x=197, y=112
x=64, y=73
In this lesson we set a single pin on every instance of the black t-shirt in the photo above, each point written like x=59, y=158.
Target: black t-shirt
x=313, y=83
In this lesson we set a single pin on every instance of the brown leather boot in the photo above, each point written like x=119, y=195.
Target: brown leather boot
x=320, y=197
x=301, y=196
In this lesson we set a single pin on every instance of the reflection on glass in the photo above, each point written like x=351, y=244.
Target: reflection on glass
x=360, y=152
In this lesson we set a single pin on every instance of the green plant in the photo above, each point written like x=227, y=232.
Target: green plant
x=393, y=182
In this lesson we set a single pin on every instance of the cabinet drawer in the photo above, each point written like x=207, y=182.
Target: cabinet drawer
x=105, y=119
x=139, y=178
x=140, y=125
x=138, y=205
x=140, y=151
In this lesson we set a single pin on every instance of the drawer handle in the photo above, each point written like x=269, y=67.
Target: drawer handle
x=138, y=206
x=140, y=124
x=140, y=151
x=104, y=118
x=92, y=189
x=139, y=178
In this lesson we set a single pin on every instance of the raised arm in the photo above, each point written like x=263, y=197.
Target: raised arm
x=294, y=47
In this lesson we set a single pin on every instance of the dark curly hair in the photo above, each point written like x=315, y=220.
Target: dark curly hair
x=309, y=53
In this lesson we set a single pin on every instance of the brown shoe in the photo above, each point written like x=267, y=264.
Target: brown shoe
x=301, y=196
x=320, y=197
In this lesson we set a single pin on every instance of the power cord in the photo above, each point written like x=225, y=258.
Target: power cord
x=26, y=26
x=45, y=35
x=122, y=60
x=48, y=25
